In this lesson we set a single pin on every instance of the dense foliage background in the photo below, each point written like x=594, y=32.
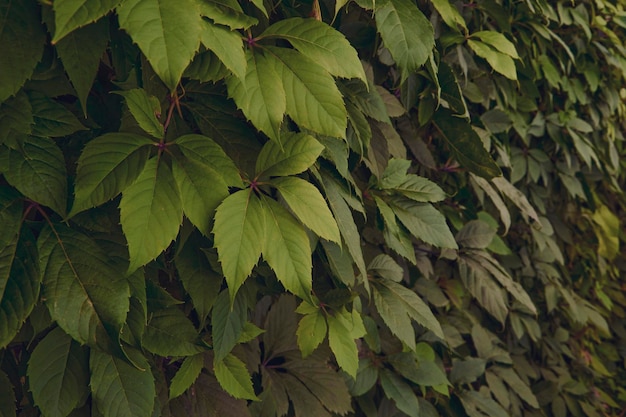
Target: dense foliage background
x=312, y=208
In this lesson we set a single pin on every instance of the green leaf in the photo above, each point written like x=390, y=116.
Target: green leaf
x=72, y=14
x=473, y=401
x=311, y=332
x=37, y=170
x=167, y=32
x=228, y=13
x=205, y=151
x=449, y=14
x=107, y=166
x=23, y=39
x=500, y=62
x=206, y=67
x=396, y=298
x=286, y=249
x=400, y=392
x=465, y=144
x=120, y=389
x=227, y=324
x=202, y=189
x=260, y=95
x=11, y=208
x=151, y=213
x=467, y=371
x=58, y=374
x=394, y=315
x=497, y=41
x=145, y=109
x=20, y=279
x=298, y=152
x=16, y=119
x=80, y=52
x=8, y=405
x=406, y=32
x=170, y=333
x=84, y=293
x=343, y=328
x=312, y=98
x=476, y=234
x=321, y=43
x=518, y=198
x=420, y=189
x=227, y=45
x=307, y=203
x=397, y=238
x=418, y=370
x=239, y=236
x=233, y=376
x=516, y=384
x=186, y=375
x=384, y=266
x=424, y=222
x=52, y=118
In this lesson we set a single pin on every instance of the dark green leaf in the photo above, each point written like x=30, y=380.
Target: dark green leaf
x=16, y=119
x=186, y=375
x=170, y=333
x=8, y=406
x=227, y=324
x=424, y=222
x=400, y=392
x=467, y=371
x=52, y=118
x=145, y=109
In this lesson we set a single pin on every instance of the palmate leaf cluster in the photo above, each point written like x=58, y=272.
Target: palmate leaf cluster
x=312, y=208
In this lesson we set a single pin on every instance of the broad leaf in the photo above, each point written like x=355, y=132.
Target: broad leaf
x=467, y=371
x=497, y=41
x=145, y=109
x=313, y=100
x=151, y=213
x=227, y=45
x=419, y=189
x=72, y=14
x=500, y=62
x=385, y=266
x=167, y=32
x=52, y=118
x=20, y=279
x=307, y=203
x=239, y=236
x=233, y=376
x=311, y=332
x=170, y=333
x=476, y=234
x=287, y=250
x=16, y=119
x=11, y=207
x=120, y=389
x=8, y=406
x=343, y=328
x=84, y=293
x=58, y=374
x=80, y=52
x=297, y=153
x=37, y=170
x=406, y=33
x=186, y=375
x=227, y=12
x=227, y=324
x=23, y=39
x=107, y=165
x=321, y=43
x=205, y=151
x=465, y=144
x=449, y=13
x=397, y=238
x=424, y=222
x=519, y=199
x=400, y=392
x=260, y=95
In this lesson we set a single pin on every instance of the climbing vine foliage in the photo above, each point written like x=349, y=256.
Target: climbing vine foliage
x=312, y=208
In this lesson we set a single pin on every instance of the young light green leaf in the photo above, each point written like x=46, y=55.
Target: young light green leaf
x=342, y=330
x=186, y=375
x=167, y=32
x=313, y=100
x=22, y=38
x=239, y=236
x=311, y=332
x=287, y=250
x=424, y=222
x=170, y=333
x=449, y=14
x=227, y=324
x=107, y=165
x=465, y=144
x=260, y=95
x=145, y=109
x=406, y=32
x=120, y=389
x=298, y=152
x=151, y=213
x=20, y=278
x=498, y=41
x=228, y=13
x=202, y=189
x=233, y=376
x=227, y=45
x=321, y=43
x=84, y=293
x=499, y=61
x=72, y=14
x=307, y=203
x=37, y=170
x=205, y=151
x=52, y=118
x=400, y=392
x=58, y=374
